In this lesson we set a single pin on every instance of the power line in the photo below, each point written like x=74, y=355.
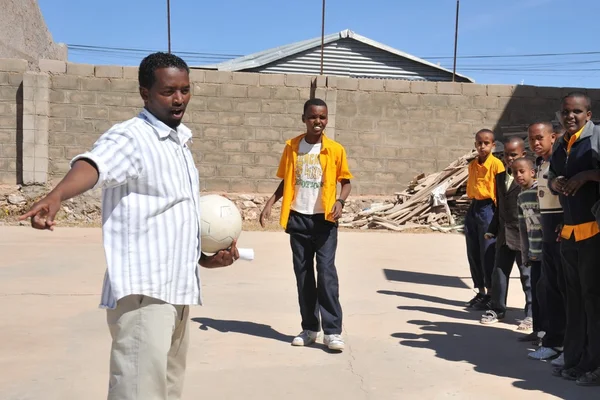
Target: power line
x=145, y=51
x=517, y=55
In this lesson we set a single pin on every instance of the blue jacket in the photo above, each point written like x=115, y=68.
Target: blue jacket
x=584, y=156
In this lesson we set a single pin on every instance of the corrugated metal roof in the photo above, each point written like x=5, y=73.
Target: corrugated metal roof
x=345, y=54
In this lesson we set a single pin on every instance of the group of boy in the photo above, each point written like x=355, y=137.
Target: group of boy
x=543, y=215
x=152, y=230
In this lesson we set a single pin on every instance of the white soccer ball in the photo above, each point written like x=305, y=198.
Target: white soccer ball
x=221, y=223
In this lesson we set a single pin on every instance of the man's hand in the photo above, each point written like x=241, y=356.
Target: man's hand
x=265, y=214
x=337, y=210
x=43, y=212
x=488, y=236
x=223, y=258
x=575, y=183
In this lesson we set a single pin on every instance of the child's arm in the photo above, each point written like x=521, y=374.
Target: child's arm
x=266, y=212
x=344, y=193
x=523, y=236
x=575, y=183
x=492, y=230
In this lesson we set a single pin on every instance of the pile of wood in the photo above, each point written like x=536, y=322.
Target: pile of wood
x=436, y=201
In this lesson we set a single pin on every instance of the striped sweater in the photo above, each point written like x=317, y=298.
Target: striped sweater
x=530, y=226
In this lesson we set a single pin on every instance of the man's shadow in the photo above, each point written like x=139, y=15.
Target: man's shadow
x=249, y=328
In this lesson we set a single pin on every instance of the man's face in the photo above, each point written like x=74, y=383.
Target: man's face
x=512, y=151
x=168, y=97
x=574, y=114
x=315, y=119
x=484, y=144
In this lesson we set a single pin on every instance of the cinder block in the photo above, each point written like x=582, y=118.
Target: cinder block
x=41, y=152
x=285, y=121
x=206, y=89
x=297, y=80
x=397, y=85
x=108, y=71
x=80, y=126
x=463, y=101
x=57, y=124
x=124, y=85
x=95, y=84
x=266, y=186
x=501, y=90
x=217, y=185
x=259, y=92
x=94, y=112
x=486, y=102
x=106, y=99
x=65, y=82
x=241, y=132
x=234, y=91
x=64, y=110
x=215, y=131
x=204, y=117
x=434, y=100
x=474, y=89
x=268, y=134
x=267, y=159
x=271, y=79
x=347, y=83
x=250, y=106
x=80, y=69
x=42, y=108
x=218, y=104
x=449, y=88
x=13, y=65
x=88, y=98
x=121, y=113
x=246, y=78
x=240, y=159
x=229, y=118
x=217, y=76
x=285, y=93
x=131, y=73
x=273, y=106
x=255, y=172
x=423, y=87
x=257, y=147
x=58, y=96
x=229, y=170
x=131, y=100
x=370, y=84
x=233, y=146
x=56, y=152
x=53, y=66
x=262, y=120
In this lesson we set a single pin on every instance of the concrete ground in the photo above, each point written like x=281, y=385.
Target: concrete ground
x=408, y=336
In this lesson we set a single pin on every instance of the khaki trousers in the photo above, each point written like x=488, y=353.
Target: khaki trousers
x=149, y=346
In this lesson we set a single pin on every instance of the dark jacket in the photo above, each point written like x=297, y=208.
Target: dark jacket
x=505, y=224
x=583, y=157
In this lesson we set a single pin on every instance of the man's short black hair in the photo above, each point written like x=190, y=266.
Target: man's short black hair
x=581, y=95
x=154, y=61
x=313, y=102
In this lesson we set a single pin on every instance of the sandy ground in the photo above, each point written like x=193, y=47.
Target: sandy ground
x=408, y=335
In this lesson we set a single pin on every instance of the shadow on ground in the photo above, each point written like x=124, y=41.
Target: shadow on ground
x=252, y=329
x=491, y=350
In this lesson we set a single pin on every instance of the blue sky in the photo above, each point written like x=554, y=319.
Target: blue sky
x=424, y=28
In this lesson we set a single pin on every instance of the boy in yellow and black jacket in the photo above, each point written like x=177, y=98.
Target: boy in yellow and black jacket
x=310, y=168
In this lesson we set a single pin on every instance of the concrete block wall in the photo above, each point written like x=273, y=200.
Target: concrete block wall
x=392, y=130
x=11, y=99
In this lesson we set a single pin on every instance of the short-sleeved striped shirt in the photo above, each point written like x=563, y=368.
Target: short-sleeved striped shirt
x=150, y=211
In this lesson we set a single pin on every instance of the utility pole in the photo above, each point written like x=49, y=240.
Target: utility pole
x=169, y=23
x=322, y=35
x=455, y=40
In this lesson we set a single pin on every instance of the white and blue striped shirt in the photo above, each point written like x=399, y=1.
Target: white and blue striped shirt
x=150, y=211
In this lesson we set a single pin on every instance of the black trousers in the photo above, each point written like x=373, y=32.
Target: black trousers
x=480, y=251
x=538, y=308
x=313, y=236
x=582, y=277
x=552, y=296
x=505, y=259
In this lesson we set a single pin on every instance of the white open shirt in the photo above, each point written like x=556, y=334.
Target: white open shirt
x=150, y=211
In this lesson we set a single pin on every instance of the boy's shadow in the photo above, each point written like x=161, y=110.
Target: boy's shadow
x=491, y=351
x=252, y=329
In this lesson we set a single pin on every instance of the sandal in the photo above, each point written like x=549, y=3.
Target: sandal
x=526, y=324
x=491, y=317
x=590, y=379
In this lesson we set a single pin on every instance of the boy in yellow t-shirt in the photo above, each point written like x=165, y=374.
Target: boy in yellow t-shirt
x=310, y=168
x=481, y=189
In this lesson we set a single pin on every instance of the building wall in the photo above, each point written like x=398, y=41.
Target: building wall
x=24, y=34
x=392, y=129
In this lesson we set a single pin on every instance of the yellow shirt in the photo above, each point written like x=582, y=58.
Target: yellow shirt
x=481, y=184
x=335, y=168
x=587, y=229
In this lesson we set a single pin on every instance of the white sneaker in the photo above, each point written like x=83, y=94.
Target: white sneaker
x=543, y=353
x=559, y=361
x=334, y=342
x=305, y=338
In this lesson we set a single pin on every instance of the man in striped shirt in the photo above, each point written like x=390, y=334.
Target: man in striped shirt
x=151, y=233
